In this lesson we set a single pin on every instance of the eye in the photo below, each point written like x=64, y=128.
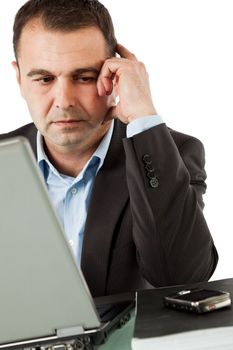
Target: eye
x=45, y=80
x=84, y=79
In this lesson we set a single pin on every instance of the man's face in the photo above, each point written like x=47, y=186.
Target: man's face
x=57, y=75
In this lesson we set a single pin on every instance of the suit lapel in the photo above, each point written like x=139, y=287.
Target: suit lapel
x=32, y=136
x=30, y=132
x=109, y=196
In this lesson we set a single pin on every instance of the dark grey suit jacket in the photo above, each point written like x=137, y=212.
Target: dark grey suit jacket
x=145, y=224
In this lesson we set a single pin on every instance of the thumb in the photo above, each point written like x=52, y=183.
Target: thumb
x=113, y=113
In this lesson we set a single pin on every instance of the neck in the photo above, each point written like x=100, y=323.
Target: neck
x=70, y=160
x=69, y=163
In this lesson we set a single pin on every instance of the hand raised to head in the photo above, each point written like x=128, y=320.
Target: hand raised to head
x=130, y=81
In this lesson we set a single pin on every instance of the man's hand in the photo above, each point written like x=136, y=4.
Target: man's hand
x=130, y=80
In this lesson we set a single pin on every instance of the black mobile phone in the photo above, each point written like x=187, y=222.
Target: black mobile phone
x=198, y=300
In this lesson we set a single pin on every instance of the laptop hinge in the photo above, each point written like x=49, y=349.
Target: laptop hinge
x=66, y=332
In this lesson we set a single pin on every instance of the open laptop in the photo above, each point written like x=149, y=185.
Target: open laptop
x=44, y=300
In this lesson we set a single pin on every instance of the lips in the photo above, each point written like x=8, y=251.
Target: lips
x=67, y=121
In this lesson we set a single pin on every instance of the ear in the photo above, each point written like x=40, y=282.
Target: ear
x=18, y=77
x=16, y=68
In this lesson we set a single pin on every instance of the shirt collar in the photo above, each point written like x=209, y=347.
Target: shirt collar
x=100, y=152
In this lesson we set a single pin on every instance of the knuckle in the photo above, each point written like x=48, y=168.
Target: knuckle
x=142, y=65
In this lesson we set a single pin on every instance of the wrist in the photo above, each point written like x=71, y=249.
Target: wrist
x=142, y=114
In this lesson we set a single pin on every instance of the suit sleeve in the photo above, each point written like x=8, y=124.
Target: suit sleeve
x=166, y=184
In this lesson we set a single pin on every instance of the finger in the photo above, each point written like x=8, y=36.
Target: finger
x=108, y=85
x=104, y=86
x=105, y=80
x=125, y=53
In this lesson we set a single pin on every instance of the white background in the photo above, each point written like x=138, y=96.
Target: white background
x=187, y=48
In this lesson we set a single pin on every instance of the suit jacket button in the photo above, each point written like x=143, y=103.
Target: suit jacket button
x=151, y=175
x=149, y=167
x=147, y=159
x=154, y=182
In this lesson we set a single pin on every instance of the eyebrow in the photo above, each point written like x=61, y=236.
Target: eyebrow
x=77, y=71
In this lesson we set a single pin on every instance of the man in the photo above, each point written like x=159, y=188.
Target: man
x=127, y=190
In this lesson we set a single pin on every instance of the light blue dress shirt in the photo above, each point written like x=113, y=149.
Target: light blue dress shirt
x=71, y=196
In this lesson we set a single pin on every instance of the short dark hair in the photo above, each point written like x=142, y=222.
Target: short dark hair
x=65, y=16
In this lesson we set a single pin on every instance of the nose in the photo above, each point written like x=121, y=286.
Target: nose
x=65, y=95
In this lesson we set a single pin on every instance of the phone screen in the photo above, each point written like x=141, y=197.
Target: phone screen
x=198, y=295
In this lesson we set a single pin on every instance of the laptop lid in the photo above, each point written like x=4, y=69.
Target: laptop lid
x=43, y=292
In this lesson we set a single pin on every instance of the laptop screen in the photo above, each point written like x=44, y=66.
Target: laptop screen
x=42, y=289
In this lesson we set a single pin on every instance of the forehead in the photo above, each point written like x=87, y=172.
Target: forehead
x=39, y=46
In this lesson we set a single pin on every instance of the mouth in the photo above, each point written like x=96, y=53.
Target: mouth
x=67, y=123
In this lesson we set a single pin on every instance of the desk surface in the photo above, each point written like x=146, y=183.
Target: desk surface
x=121, y=338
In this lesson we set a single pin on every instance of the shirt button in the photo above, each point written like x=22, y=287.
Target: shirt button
x=71, y=242
x=74, y=190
